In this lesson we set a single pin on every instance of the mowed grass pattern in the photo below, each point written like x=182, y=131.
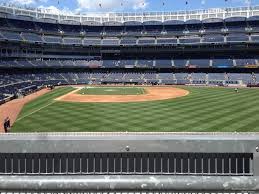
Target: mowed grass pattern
x=111, y=91
x=203, y=110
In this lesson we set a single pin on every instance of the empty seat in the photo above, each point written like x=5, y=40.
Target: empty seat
x=110, y=41
x=237, y=37
x=189, y=39
x=31, y=37
x=11, y=35
x=91, y=41
x=167, y=41
x=180, y=63
x=213, y=38
x=72, y=41
x=53, y=39
x=128, y=41
x=164, y=63
x=202, y=63
x=222, y=63
x=146, y=41
x=245, y=62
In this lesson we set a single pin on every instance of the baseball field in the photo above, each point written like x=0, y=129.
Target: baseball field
x=169, y=109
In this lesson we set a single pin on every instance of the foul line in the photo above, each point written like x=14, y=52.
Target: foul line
x=34, y=111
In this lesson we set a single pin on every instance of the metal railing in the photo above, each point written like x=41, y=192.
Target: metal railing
x=129, y=162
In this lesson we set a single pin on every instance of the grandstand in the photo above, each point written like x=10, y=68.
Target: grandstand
x=107, y=49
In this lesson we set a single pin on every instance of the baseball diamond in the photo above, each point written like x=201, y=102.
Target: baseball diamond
x=204, y=109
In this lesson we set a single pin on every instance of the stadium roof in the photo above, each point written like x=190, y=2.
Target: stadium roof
x=106, y=17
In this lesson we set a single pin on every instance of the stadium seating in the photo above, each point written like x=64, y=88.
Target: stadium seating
x=23, y=83
x=255, y=38
x=31, y=37
x=199, y=63
x=175, y=50
x=163, y=63
x=167, y=41
x=213, y=38
x=92, y=41
x=47, y=27
x=145, y=63
x=113, y=30
x=52, y=39
x=222, y=63
x=189, y=40
x=134, y=30
x=146, y=41
x=110, y=41
x=21, y=24
x=72, y=41
x=11, y=35
x=245, y=62
x=111, y=63
x=180, y=63
x=237, y=37
x=128, y=41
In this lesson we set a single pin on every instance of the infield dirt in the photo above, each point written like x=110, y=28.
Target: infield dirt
x=152, y=94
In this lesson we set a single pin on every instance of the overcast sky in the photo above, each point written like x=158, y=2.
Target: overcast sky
x=83, y=6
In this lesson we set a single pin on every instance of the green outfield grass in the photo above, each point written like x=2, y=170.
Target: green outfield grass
x=205, y=109
x=111, y=91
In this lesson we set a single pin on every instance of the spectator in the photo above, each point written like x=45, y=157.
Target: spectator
x=5, y=126
x=8, y=123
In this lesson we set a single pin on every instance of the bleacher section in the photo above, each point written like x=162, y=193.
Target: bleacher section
x=137, y=62
x=197, y=49
x=12, y=84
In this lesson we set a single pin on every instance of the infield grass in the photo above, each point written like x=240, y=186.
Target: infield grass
x=111, y=91
x=203, y=110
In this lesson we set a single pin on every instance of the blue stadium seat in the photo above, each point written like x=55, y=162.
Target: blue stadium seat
x=146, y=41
x=11, y=35
x=215, y=38
x=70, y=29
x=222, y=63
x=92, y=30
x=163, y=63
x=32, y=37
x=180, y=63
x=47, y=27
x=91, y=41
x=237, y=37
x=199, y=63
x=113, y=30
x=145, y=63
x=4, y=23
x=111, y=63
x=189, y=40
x=72, y=41
x=255, y=38
x=167, y=41
x=245, y=62
x=134, y=30
x=21, y=24
x=53, y=39
x=174, y=29
x=128, y=41
x=110, y=41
